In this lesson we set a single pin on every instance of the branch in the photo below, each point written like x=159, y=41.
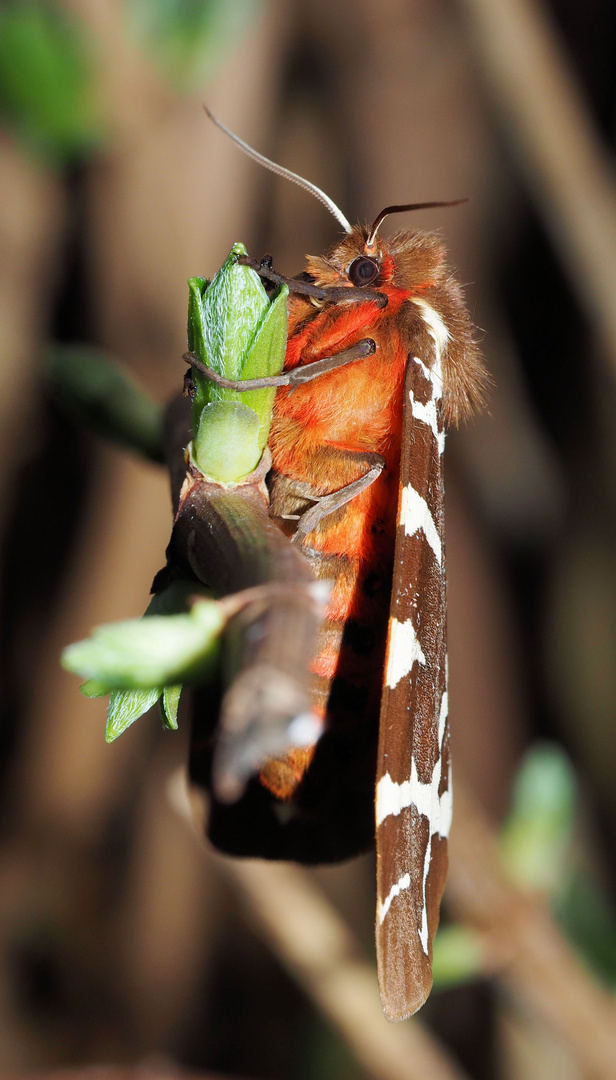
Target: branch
x=533, y=957
x=316, y=947
x=554, y=135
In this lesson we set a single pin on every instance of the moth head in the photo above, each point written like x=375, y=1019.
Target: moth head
x=365, y=260
x=412, y=261
x=360, y=259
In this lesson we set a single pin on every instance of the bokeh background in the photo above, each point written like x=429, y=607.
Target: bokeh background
x=123, y=943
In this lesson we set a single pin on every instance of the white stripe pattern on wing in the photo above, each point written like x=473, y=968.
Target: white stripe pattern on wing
x=404, y=650
x=392, y=798
x=428, y=412
x=400, y=886
x=415, y=514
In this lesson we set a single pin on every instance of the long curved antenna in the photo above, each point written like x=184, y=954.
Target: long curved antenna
x=399, y=209
x=280, y=171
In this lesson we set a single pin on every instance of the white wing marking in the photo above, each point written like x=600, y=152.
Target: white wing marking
x=415, y=514
x=392, y=798
x=400, y=886
x=404, y=650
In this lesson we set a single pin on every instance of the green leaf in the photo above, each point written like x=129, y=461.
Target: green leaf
x=94, y=689
x=458, y=956
x=234, y=305
x=126, y=706
x=196, y=328
x=171, y=702
x=100, y=394
x=266, y=357
x=46, y=85
x=149, y=652
x=536, y=836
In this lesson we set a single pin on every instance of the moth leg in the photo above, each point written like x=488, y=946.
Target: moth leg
x=332, y=294
x=297, y=377
x=327, y=504
x=300, y=375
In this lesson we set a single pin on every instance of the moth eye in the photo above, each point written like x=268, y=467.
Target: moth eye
x=363, y=271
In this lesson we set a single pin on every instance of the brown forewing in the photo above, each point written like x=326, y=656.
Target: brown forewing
x=411, y=857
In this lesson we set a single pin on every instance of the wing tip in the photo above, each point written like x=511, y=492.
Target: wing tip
x=405, y=1002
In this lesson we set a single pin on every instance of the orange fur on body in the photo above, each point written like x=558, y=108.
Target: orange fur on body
x=321, y=429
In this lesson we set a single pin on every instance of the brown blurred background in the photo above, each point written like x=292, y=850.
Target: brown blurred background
x=120, y=943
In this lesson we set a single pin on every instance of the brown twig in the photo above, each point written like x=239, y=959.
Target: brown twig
x=537, y=964
x=531, y=957
x=224, y=537
x=157, y=1071
x=557, y=144
x=316, y=947
x=32, y=218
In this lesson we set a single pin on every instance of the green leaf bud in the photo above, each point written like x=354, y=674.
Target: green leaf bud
x=236, y=329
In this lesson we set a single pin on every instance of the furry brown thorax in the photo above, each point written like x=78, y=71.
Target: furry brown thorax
x=415, y=264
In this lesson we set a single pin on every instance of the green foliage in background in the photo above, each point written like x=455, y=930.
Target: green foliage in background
x=188, y=39
x=100, y=393
x=458, y=956
x=539, y=849
x=541, y=852
x=536, y=838
x=589, y=921
x=47, y=95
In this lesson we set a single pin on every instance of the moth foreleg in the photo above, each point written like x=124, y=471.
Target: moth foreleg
x=329, y=294
x=307, y=372
x=296, y=377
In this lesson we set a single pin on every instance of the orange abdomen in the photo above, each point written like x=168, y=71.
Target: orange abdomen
x=320, y=435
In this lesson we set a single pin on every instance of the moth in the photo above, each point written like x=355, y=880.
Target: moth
x=357, y=482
